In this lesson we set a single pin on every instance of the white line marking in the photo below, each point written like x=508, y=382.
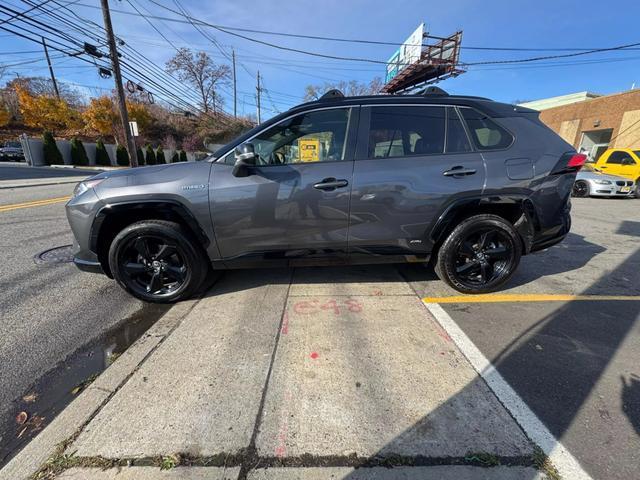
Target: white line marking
x=568, y=467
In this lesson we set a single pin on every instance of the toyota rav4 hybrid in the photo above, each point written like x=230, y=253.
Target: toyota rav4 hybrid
x=464, y=182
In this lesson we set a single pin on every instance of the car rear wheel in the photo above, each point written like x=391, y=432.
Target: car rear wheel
x=157, y=261
x=580, y=189
x=479, y=255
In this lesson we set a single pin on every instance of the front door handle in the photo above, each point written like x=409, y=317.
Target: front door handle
x=330, y=184
x=459, y=171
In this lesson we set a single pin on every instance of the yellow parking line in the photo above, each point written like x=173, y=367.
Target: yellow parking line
x=526, y=297
x=33, y=203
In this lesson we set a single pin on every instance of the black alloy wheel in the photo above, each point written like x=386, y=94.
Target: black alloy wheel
x=153, y=265
x=157, y=261
x=580, y=189
x=479, y=255
x=483, y=257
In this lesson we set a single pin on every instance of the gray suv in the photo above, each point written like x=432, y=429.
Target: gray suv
x=465, y=183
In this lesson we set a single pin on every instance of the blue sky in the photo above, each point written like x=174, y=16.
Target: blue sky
x=539, y=24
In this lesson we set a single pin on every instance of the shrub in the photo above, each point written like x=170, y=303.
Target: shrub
x=78, y=153
x=140, y=156
x=160, y=155
x=102, y=157
x=52, y=155
x=122, y=157
x=150, y=156
x=183, y=156
x=175, y=158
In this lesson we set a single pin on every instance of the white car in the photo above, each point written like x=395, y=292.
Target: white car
x=593, y=183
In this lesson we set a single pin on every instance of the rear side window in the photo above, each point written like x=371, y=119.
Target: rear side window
x=406, y=131
x=457, y=141
x=620, y=158
x=486, y=134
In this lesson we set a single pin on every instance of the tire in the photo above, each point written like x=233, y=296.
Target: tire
x=157, y=261
x=580, y=189
x=479, y=255
x=637, y=188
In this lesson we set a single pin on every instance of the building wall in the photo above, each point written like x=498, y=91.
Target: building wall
x=618, y=112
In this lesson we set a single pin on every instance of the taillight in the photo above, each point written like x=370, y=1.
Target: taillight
x=570, y=162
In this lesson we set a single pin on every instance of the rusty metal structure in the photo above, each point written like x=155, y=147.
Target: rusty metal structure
x=437, y=62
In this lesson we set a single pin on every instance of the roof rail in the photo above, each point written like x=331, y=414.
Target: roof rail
x=434, y=91
x=332, y=94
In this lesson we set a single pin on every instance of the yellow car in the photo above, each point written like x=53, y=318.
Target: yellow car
x=624, y=162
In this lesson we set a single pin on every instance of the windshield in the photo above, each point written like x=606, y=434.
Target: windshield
x=12, y=144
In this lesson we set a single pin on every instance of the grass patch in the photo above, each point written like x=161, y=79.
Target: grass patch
x=541, y=462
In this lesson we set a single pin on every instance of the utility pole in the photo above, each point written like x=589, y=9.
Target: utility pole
x=258, y=89
x=53, y=77
x=235, y=93
x=115, y=64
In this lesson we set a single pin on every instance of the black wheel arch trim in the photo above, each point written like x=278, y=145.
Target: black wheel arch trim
x=171, y=206
x=526, y=224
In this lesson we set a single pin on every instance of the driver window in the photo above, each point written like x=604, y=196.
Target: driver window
x=318, y=136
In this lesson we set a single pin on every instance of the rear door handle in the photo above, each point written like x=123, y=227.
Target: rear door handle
x=330, y=184
x=459, y=171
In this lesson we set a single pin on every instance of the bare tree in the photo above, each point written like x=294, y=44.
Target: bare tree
x=199, y=70
x=350, y=88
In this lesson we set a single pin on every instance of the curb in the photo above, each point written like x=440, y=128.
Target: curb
x=81, y=410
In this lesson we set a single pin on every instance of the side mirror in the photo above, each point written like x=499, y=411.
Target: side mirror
x=245, y=157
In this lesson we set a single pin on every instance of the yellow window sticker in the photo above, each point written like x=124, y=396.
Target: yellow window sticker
x=309, y=149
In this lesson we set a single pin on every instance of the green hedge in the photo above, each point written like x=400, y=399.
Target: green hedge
x=150, y=155
x=122, y=157
x=52, y=155
x=140, y=156
x=102, y=156
x=160, y=156
x=175, y=158
x=78, y=153
x=183, y=156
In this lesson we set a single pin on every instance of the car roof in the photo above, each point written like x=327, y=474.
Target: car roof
x=488, y=106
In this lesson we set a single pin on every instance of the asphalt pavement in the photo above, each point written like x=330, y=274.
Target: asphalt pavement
x=48, y=311
x=564, y=336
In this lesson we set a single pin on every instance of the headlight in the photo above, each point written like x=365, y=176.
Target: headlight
x=86, y=185
x=603, y=182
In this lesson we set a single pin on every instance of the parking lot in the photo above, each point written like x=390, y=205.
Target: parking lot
x=314, y=371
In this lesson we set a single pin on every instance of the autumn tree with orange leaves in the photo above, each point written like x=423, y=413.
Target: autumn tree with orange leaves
x=46, y=112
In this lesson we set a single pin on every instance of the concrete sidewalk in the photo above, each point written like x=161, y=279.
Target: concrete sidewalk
x=306, y=373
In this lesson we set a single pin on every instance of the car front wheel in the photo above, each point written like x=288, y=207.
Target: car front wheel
x=157, y=261
x=479, y=255
x=580, y=189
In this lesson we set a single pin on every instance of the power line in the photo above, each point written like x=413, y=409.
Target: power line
x=354, y=40
x=19, y=14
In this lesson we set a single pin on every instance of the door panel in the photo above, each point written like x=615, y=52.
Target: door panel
x=396, y=199
x=277, y=214
x=294, y=205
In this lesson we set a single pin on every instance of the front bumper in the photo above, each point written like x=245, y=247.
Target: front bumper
x=86, y=261
x=612, y=190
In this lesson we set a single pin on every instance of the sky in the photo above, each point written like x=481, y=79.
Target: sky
x=538, y=24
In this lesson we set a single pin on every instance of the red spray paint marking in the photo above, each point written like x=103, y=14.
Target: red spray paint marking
x=285, y=324
x=281, y=447
x=314, y=355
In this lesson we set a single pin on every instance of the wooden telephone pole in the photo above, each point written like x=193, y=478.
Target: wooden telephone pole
x=258, y=90
x=115, y=64
x=53, y=77
x=235, y=93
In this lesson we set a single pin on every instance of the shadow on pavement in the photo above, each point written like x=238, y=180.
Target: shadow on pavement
x=573, y=253
x=556, y=368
